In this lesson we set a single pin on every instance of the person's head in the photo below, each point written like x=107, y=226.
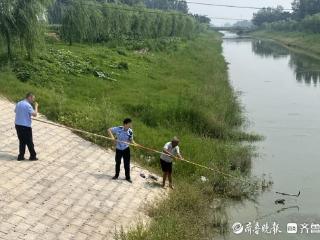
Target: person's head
x=175, y=141
x=30, y=97
x=127, y=123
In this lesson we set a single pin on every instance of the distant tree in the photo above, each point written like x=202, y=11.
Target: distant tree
x=243, y=24
x=202, y=18
x=127, y=2
x=311, y=23
x=268, y=15
x=75, y=21
x=181, y=6
x=131, y=2
x=302, y=8
x=178, y=5
x=7, y=24
x=55, y=11
x=95, y=27
x=27, y=15
x=96, y=22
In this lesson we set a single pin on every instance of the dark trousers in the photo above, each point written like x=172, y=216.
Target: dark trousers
x=25, y=139
x=125, y=154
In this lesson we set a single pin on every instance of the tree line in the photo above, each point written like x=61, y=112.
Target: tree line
x=305, y=16
x=22, y=22
x=55, y=12
x=91, y=21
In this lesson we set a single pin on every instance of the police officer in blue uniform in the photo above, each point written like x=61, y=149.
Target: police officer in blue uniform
x=24, y=111
x=124, y=135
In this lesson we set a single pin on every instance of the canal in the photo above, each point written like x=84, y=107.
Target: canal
x=280, y=92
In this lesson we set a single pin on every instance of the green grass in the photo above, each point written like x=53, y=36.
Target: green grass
x=308, y=42
x=182, y=90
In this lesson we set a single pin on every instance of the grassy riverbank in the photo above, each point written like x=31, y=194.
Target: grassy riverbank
x=301, y=41
x=181, y=90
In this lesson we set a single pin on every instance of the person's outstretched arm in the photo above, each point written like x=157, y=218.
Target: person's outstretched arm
x=111, y=134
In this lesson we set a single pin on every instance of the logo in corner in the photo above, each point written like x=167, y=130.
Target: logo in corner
x=237, y=228
x=292, y=228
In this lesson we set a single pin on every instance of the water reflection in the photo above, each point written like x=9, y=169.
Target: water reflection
x=269, y=49
x=306, y=68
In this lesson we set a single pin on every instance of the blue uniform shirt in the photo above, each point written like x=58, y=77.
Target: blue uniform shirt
x=122, y=135
x=23, y=112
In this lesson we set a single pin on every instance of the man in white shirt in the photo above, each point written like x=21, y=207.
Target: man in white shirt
x=170, y=150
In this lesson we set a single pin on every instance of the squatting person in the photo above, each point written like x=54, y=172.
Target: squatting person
x=124, y=135
x=170, y=150
x=24, y=111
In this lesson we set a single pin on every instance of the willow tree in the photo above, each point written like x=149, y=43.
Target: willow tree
x=96, y=22
x=28, y=15
x=95, y=28
x=7, y=24
x=75, y=21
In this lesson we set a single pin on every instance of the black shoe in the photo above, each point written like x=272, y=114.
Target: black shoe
x=20, y=159
x=129, y=180
x=115, y=178
x=33, y=159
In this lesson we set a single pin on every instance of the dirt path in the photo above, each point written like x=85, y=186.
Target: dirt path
x=68, y=193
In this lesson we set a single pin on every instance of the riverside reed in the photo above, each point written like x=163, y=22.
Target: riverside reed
x=179, y=88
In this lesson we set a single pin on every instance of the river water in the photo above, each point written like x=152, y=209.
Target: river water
x=280, y=92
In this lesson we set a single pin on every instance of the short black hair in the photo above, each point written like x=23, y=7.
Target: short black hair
x=127, y=120
x=29, y=94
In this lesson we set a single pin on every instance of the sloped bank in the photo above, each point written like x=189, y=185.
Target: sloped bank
x=307, y=43
x=181, y=90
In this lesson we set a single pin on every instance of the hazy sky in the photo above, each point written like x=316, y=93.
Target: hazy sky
x=224, y=12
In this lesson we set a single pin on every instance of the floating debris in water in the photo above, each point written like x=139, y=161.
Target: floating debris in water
x=291, y=195
x=280, y=201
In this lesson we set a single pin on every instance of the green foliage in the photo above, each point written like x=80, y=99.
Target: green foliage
x=21, y=19
x=305, y=17
x=23, y=71
x=7, y=24
x=75, y=22
x=52, y=68
x=93, y=22
x=177, y=5
x=309, y=24
x=268, y=15
x=202, y=19
x=67, y=62
x=56, y=11
x=302, y=8
x=123, y=65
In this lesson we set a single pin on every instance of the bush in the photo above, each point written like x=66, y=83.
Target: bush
x=311, y=23
x=23, y=71
x=308, y=24
x=123, y=65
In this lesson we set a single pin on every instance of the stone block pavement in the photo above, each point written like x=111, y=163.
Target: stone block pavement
x=68, y=193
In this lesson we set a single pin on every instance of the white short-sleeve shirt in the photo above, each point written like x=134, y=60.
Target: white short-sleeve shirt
x=174, y=151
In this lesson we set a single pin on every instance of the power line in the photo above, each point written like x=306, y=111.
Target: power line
x=232, y=6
